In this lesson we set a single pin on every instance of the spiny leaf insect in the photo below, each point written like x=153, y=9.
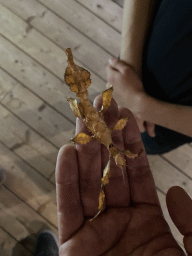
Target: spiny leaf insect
x=78, y=79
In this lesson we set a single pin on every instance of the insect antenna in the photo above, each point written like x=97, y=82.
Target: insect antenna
x=95, y=216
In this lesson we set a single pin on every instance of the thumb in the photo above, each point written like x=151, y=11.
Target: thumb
x=179, y=205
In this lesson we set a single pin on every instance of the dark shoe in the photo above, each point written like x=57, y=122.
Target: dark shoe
x=47, y=244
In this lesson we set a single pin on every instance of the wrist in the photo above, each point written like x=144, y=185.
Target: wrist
x=143, y=103
x=155, y=111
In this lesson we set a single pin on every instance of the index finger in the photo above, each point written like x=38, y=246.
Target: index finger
x=141, y=182
x=69, y=207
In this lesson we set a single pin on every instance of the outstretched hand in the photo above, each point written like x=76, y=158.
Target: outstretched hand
x=132, y=222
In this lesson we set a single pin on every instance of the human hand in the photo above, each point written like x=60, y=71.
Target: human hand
x=128, y=90
x=132, y=222
x=128, y=87
x=145, y=126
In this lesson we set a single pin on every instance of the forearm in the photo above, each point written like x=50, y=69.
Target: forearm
x=172, y=116
x=136, y=19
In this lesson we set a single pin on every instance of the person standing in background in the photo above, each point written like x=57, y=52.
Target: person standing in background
x=153, y=77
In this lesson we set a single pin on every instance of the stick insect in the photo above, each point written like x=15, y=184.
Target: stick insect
x=78, y=79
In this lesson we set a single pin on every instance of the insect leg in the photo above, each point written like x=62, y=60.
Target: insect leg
x=107, y=97
x=104, y=181
x=123, y=175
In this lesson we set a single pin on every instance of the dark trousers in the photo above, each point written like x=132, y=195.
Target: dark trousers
x=167, y=67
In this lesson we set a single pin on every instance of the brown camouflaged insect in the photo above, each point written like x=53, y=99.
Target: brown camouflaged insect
x=78, y=79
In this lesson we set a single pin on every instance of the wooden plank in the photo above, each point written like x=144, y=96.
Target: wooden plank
x=36, y=160
x=5, y=86
x=52, y=178
x=27, y=143
x=18, y=219
x=9, y=245
x=181, y=158
x=15, y=134
x=44, y=148
x=25, y=8
x=107, y=10
x=46, y=52
x=8, y=125
x=29, y=185
x=46, y=121
x=35, y=77
x=119, y=2
x=166, y=175
x=86, y=22
x=40, y=81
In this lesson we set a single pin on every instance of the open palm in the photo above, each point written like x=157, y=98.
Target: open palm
x=132, y=222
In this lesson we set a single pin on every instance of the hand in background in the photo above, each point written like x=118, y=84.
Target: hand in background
x=128, y=88
x=145, y=126
x=132, y=222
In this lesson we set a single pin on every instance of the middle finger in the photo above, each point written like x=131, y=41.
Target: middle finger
x=117, y=190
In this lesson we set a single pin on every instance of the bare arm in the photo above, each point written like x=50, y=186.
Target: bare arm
x=129, y=92
x=172, y=116
x=136, y=19
x=137, y=16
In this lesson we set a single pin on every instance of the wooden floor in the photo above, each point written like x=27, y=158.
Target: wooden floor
x=35, y=119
